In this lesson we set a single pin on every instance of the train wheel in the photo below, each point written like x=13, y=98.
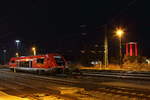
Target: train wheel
x=58, y=71
x=14, y=70
x=11, y=69
x=67, y=71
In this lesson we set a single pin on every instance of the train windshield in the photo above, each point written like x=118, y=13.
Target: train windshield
x=59, y=60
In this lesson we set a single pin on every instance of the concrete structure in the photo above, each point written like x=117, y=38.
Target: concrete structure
x=131, y=49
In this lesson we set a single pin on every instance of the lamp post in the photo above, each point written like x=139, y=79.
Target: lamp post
x=34, y=50
x=106, y=48
x=17, y=50
x=17, y=42
x=119, y=32
x=4, y=56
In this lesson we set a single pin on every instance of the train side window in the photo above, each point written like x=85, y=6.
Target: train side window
x=60, y=61
x=12, y=61
x=40, y=60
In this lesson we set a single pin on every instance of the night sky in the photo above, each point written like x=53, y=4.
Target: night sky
x=71, y=25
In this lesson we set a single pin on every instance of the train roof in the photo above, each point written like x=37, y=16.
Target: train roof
x=42, y=55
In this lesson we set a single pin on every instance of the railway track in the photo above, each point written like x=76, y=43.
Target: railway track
x=143, y=94
x=23, y=79
x=131, y=75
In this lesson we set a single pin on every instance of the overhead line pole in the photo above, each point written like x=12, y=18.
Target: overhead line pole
x=106, y=48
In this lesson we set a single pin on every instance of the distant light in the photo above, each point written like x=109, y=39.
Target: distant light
x=92, y=51
x=17, y=54
x=33, y=48
x=83, y=33
x=17, y=41
x=96, y=45
x=83, y=25
x=4, y=51
x=82, y=51
x=148, y=61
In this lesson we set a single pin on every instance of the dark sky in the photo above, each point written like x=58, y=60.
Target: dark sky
x=58, y=25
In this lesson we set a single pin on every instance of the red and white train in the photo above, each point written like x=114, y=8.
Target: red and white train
x=40, y=63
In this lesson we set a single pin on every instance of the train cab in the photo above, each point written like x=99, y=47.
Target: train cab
x=44, y=63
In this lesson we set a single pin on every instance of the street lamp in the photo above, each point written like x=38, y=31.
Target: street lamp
x=34, y=50
x=119, y=32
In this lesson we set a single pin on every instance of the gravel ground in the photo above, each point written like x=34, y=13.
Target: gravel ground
x=23, y=86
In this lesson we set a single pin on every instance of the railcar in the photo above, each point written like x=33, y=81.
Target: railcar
x=40, y=63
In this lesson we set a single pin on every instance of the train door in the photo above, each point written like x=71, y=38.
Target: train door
x=17, y=64
x=30, y=64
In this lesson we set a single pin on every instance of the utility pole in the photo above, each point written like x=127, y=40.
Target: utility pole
x=120, y=51
x=120, y=33
x=106, y=48
x=4, y=56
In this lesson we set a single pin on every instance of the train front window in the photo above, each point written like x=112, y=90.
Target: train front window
x=40, y=60
x=59, y=61
x=12, y=61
